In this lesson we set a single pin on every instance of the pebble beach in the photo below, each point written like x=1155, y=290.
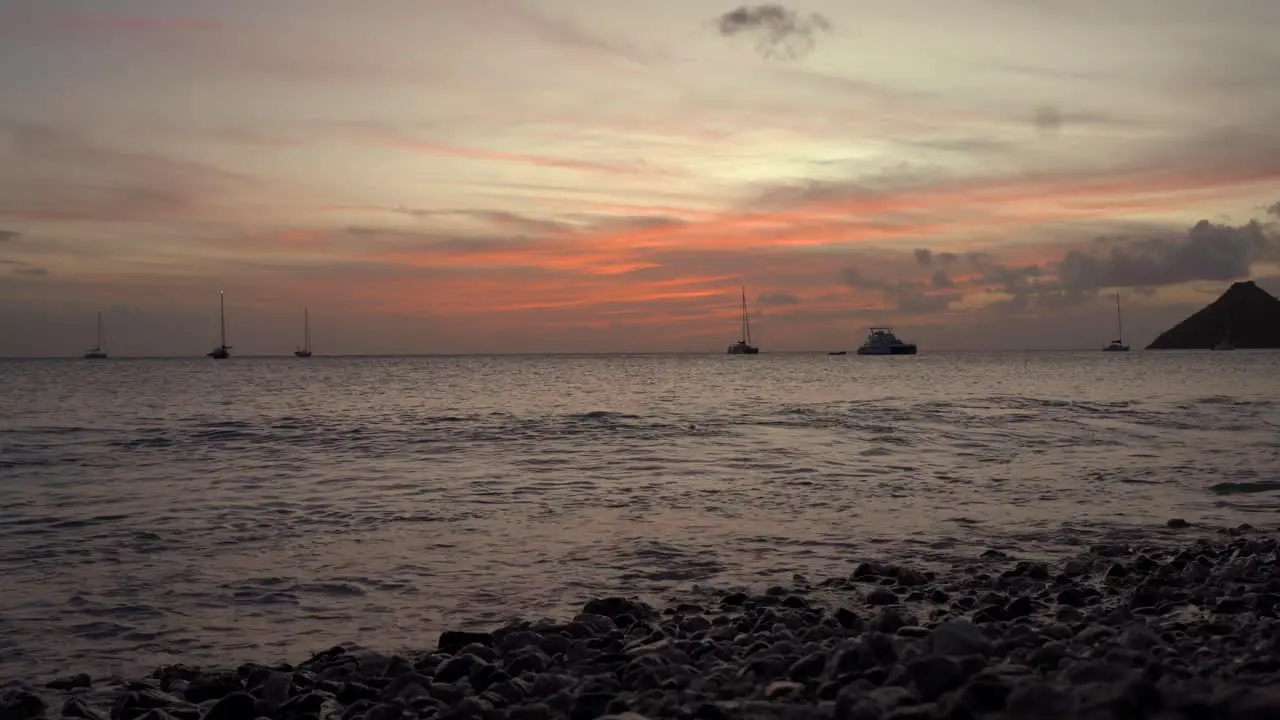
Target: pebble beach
x=1182, y=624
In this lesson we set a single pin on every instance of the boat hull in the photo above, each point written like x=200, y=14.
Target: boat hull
x=220, y=353
x=905, y=349
x=736, y=350
x=95, y=356
x=302, y=353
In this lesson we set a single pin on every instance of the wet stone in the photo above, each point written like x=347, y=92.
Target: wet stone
x=882, y=596
x=72, y=682
x=1188, y=631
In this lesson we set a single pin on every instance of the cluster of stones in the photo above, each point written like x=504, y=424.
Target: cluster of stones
x=1120, y=631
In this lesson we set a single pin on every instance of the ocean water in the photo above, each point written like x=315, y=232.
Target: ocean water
x=210, y=512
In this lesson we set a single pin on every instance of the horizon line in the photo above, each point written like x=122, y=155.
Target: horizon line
x=709, y=353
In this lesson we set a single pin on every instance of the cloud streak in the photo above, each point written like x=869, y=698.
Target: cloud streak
x=47, y=174
x=393, y=139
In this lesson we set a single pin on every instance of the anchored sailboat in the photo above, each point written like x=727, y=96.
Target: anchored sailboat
x=1117, y=345
x=99, y=351
x=305, y=350
x=744, y=346
x=223, y=351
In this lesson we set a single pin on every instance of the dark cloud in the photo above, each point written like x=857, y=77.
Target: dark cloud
x=854, y=278
x=9, y=235
x=1028, y=287
x=24, y=268
x=1207, y=251
x=924, y=256
x=777, y=299
x=1010, y=280
x=1047, y=119
x=1050, y=119
x=1274, y=210
x=906, y=295
x=782, y=33
x=519, y=223
x=567, y=223
x=631, y=222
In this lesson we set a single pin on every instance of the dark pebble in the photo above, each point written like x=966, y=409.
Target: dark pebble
x=882, y=596
x=452, y=641
x=808, y=667
x=1019, y=607
x=73, y=682
x=848, y=619
x=935, y=675
x=213, y=687
x=236, y=706
x=21, y=705
x=612, y=607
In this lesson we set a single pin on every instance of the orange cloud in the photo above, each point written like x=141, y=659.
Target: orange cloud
x=681, y=271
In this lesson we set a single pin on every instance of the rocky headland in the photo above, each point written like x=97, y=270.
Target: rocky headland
x=1245, y=315
x=1183, y=625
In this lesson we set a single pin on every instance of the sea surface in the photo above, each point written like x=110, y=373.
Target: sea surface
x=157, y=511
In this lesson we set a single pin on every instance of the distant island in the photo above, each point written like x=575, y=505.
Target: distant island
x=1245, y=316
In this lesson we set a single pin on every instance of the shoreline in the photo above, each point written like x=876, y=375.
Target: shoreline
x=1173, y=624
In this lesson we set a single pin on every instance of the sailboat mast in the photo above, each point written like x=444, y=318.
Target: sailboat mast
x=306, y=328
x=222, y=317
x=1119, y=326
x=746, y=322
x=101, y=344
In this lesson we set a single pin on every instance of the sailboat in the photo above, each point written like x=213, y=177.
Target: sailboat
x=1118, y=344
x=744, y=346
x=305, y=350
x=99, y=351
x=223, y=351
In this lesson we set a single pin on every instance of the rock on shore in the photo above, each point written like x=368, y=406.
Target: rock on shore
x=1121, y=631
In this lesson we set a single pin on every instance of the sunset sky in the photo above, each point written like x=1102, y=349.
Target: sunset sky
x=585, y=175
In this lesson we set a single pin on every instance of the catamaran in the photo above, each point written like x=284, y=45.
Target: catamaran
x=744, y=346
x=1118, y=344
x=223, y=351
x=99, y=351
x=305, y=350
x=882, y=341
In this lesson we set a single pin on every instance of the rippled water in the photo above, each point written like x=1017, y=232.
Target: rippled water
x=157, y=510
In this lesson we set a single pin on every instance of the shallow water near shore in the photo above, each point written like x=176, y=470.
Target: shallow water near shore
x=188, y=510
